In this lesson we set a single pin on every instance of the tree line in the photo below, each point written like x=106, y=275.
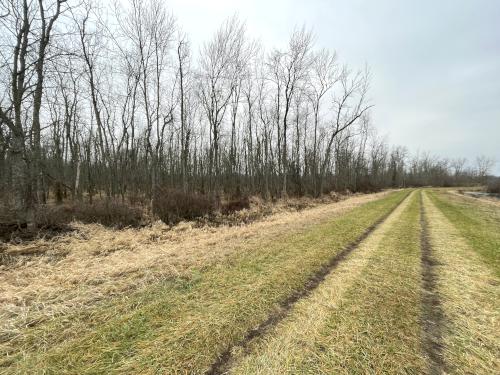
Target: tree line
x=115, y=102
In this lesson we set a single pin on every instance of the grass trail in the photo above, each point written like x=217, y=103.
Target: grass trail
x=363, y=319
x=182, y=325
x=468, y=287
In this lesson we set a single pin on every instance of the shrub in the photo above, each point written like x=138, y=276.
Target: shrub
x=109, y=213
x=138, y=200
x=367, y=186
x=234, y=205
x=173, y=205
x=54, y=216
x=48, y=224
x=494, y=185
x=52, y=220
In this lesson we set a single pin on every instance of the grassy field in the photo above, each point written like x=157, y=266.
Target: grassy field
x=405, y=282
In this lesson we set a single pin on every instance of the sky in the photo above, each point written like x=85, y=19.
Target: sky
x=435, y=65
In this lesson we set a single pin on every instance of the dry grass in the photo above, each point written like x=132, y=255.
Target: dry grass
x=487, y=200
x=170, y=300
x=260, y=208
x=168, y=269
x=470, y=298
x=294, y=341
x=79, y=269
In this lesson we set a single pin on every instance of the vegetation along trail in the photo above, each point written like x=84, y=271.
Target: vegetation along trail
x=394, y=284
x=466, y=244
x=185, y=323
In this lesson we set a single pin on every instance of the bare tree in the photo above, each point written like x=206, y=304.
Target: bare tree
x=220, y=65
x=183, y=56
x=349, y=106
x=45, y=31
x=324, y=75
x=289, y=70
x=29, y=28
x=484, y=166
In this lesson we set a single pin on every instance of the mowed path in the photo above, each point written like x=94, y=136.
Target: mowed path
x=408, y=283
x=415, y=297
x=363, y=317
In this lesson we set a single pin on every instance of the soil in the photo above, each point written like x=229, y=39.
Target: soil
x=432, y=317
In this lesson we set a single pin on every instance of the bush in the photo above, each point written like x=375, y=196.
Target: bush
x=234, y=205
x=366, y=186
x=52, y=220
x=173, y=205
x=54, y=216
x=109, y=213
x=494, y=185
x=138, y=200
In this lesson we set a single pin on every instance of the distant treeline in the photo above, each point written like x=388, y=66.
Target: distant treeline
x=116, y=102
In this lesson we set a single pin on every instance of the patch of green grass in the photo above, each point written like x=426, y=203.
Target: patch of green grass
x=181, y=326
x=478, y=223
x=469, y=294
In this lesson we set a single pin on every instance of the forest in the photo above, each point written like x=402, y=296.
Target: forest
x=114, y=102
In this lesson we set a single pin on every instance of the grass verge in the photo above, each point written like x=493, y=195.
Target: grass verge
x=468, y=288
x=182, y=325
x=105, y=263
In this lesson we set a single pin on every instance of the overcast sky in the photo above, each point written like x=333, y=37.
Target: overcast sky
x=435, y=64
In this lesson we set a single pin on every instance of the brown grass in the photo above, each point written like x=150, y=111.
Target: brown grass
x=487, y=200
x=174, y=205
x=53, y=219
x=92, y=264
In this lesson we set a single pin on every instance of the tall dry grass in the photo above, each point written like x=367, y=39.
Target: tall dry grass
x=94, y=263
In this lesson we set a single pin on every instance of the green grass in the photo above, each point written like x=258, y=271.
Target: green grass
x=468, y=290
x=479, y=223
x=181, y=326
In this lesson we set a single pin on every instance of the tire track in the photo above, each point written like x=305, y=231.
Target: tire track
x=222, y=364
x=432, y=311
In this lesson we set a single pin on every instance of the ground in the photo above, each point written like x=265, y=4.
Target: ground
x=398, y=282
